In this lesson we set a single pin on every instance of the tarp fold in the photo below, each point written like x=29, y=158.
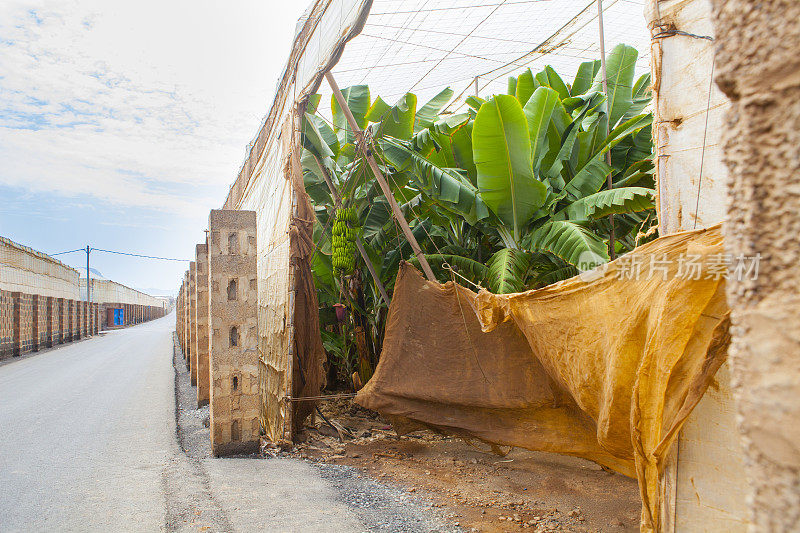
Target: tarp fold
x=605, y=366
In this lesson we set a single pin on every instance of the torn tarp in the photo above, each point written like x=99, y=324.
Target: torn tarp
x=606, y=368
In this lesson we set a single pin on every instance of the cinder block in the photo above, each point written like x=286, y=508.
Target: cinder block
x=232, y=323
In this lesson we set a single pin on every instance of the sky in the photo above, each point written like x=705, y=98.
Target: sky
x=123, y=123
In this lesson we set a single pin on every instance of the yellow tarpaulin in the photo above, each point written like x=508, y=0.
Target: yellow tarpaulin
x=606, y=367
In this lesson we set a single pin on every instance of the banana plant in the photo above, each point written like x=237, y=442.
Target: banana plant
x=510, y=194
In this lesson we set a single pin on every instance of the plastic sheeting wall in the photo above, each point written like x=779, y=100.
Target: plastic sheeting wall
x=107, y=291
x=397, y=46
x=23, y=269
x=704, y=482
x=688, y=116
x=264, y=186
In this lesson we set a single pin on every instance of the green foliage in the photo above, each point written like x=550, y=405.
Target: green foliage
x=511, y=194
x=502, y=154
x=507, y=270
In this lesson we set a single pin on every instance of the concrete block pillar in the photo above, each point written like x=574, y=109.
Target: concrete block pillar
x=233, y=298
x=186, y=348
x=179, y=314
x=178, y=301
x=51, y=321
x=201, y=321
x=35, y=329
x=758, y=68
x=61, y=313
x=23, y=327
x=39, y=312
x=193, y=322
x=6, y=324
x=70, y=310
x=78, y=320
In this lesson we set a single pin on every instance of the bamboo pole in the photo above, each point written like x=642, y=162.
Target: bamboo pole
x=387, y=192
x=612, y=237
x=359, y=245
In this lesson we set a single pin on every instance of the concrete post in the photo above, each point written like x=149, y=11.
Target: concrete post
x=178, y=303
x=76, y=335
x=61, y=311
x=186, y=348
x=52, y=321
x=233, y=298
x=35, y=322
x=6, y=324
x=193, y=322
x=758, y=68
x=70, y=320
x=201, y=321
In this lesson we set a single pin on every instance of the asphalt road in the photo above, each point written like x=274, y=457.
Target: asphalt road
x=88, y=442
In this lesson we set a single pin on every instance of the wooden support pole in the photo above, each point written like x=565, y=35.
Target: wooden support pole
x=611, y=238
x=360, y=246
x=387, y=192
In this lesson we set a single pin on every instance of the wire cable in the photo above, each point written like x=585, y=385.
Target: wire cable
x=68, y=252
x=137, y=255
x=703, y=151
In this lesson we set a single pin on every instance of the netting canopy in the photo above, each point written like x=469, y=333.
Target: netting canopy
x=394, y=46
x=423, y=46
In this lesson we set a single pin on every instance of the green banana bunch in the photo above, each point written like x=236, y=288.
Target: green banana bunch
x=345, y=232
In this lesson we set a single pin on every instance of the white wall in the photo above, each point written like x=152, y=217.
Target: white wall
x=23, y=269
x=705, y=483
x=107, y=291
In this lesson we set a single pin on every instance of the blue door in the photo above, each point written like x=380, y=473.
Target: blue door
x=119, y=316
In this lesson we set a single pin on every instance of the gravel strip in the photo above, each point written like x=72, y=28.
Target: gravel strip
x=382, y=507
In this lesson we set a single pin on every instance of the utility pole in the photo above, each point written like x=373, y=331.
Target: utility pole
x=612, y=253
x=88, y=279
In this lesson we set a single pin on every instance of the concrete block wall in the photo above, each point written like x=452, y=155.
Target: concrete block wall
x=132, y=314
x=6, y=324
x=201, y=321
x=31, y=322
x=233, y=340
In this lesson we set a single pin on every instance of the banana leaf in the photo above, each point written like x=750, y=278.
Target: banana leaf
x=502, y=153
x=357, y=98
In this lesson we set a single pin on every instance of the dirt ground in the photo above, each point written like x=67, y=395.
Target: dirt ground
x=481, y=490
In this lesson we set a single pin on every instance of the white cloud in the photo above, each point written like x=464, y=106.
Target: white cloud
x=145, y=103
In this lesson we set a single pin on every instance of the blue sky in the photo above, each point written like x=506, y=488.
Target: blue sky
x=123, y=123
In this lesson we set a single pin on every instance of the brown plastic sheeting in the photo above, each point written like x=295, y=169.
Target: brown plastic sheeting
x=308, y=375
x=606, y=369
